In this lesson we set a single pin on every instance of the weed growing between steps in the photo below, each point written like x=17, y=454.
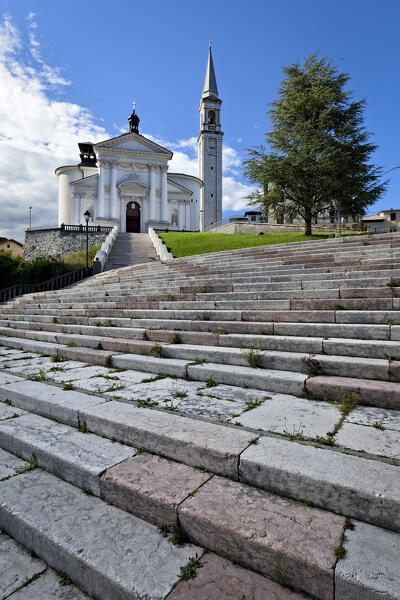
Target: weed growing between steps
x=311, y=366
x=146, y=403
x=156, y=351
x=252, y=356
x=340, y=551
x=189, y=570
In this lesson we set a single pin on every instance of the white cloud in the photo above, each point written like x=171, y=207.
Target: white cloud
x=39, y=133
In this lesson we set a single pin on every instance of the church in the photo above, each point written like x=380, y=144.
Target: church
x=126, y=180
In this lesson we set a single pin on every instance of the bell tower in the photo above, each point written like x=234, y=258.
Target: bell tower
x=210, y=150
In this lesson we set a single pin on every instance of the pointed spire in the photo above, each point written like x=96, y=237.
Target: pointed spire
x=210, y=82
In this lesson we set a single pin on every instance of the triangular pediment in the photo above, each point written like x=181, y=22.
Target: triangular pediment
x=176, y=188
x=134, y=142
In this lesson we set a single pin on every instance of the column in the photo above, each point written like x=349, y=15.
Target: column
x=164, y=194
x=145, y=213
x=114, y=209
x=122, y=213
x=100, y=190
x=77, y=209
x=181, y=215
x=152, y=215
x=188, y=226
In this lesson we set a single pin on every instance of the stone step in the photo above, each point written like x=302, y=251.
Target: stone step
x=26, y=577
x=263, y=379
x=62, y=450
x=104, y=550
x=368, y=392
x=285, y=467
x=368, y=368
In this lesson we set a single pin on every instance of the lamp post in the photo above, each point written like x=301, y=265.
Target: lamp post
x=86, y=214
x=30, y=217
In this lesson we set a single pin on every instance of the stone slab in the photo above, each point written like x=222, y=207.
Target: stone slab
x=370, y=568
x=62, y=450
x=48, y=401
x=207, y=407
x=17, y=567
x=369, y=415
x=9, y=412
x=157, y=391
x=350, y=485
x=287, y=382
x=269, y=534
x=234, y=393
x=10, y=465
x=369, y=439
x=219, y=579
x=150, y=364
x=292, y=416
x=76, y=533
x=48, y=587
x=76, y=374
x=195, y=443
x=150, y=487
x=6, y=377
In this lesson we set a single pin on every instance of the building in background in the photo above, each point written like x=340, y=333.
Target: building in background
x=6, y=245
x=384, y=222
x=126, y=180
x=210, y=150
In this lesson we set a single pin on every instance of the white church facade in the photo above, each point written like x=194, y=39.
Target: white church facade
x=126, y=180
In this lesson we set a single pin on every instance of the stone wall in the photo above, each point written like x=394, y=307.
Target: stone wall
x=54, y=242
x=274, y=228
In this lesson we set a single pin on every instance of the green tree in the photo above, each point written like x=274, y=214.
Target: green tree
x=320, y=153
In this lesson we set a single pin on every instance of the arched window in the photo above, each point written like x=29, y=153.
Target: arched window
x=211, y=117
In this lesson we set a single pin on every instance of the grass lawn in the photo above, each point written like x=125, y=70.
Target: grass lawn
x=77, y=260
x=187, y=244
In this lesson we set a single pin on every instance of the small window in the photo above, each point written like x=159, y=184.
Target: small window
x=211, y=117
x=212, y=168
x=8, y=246
x=212, y=195
x=392, y=216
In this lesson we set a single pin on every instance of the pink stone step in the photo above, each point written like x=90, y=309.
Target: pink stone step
x=383, y=394
x=95, y=357
x=274, y=536
x=151, y=487
x=219, y=579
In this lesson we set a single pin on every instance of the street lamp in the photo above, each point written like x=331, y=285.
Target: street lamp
x=30, y=217
x=86, y=214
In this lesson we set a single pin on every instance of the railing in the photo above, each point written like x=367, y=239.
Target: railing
x=102, y=256
x=74, y=228
x=56, y=283
x=159, y=246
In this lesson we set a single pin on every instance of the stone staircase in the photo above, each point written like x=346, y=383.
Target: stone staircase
x=222, y=426
x=131, y=249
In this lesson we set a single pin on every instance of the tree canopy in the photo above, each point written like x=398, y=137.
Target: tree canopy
x=320, y=152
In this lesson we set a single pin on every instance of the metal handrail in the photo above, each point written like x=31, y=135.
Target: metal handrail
x=56, y=283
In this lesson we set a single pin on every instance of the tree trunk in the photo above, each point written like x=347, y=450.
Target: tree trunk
x=308, y=223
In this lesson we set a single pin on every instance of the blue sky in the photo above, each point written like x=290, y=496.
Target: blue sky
x=83, y=63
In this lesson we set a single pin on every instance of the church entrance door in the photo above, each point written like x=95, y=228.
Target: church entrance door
x=133, y=217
